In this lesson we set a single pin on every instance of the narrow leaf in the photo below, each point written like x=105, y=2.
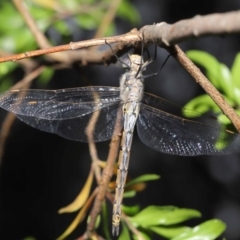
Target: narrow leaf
x=155, y=215
x=81, y=198
x=141, y=236
x=235, y=70
x=208, y=230
x=200, y=105
x=78, y=219
x=129, y=194
x=170, y=232
x=143, y=178
x=125, y=235
x=130, y=210
x=210, y=63
x=236, y=78
x=227, y=85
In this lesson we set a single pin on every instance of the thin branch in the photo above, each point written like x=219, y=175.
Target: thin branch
x=212, y=24
x=195, y=72
x=108, y=18
x=162, y=33
x=91, y=144
x=37, y=33
x=40, y=38
x=129, y=37
x=106, y=175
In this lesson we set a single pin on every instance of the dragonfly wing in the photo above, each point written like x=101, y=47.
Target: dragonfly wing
x=74, y=128
x=66, y=112
x=58, y=104
x=172, y=108
x=170, y=134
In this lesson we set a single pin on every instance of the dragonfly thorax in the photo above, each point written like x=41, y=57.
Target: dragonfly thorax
x=132, y=82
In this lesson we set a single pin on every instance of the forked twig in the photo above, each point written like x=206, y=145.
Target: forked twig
x=91, y=144
x=106, y=174
x=40, y=38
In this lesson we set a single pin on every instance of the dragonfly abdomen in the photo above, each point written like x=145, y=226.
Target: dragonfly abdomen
x=131, y=111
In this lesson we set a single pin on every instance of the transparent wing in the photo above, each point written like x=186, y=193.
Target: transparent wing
x=171, y=134
x=172, y=108
x=74, y=128
x=66, y=112
x=58, y=104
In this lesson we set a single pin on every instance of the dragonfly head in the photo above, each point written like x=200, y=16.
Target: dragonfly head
x=133, y=62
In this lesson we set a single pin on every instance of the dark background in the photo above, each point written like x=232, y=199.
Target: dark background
x=42, y=172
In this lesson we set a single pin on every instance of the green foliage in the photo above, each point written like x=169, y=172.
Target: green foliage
x=208, y=230
x=225, y=80
x=165, y=216
x=128, y=12
x=165, y=221
x=143, y=178
x=53, y=14
x=45, y=76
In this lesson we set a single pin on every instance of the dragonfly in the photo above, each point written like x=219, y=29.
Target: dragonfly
x=160, y=124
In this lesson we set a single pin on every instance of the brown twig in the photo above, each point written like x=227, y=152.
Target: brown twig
x=40, y=38
x=129, y=37
x=106, y=175
x=195, y=72
x=37, y=34
x=212, y=24
x=162, y=33
x=91, y=144
x=80, y=216
x=108, y=18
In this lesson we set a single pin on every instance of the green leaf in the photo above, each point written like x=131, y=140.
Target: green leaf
x=29, y=238
x=208, y=230
x=45, y=76
x=200, y=105
x=218, y=73
x=6, y=83
x=165, y=216
x=6, y=68
x=125, y=235
x=105, y=221
x=210, y=63
x=143, y=178
x=62, y=27
x=128, y=11
x=110, y=30
x=223, y=119
x=130, y=210
x=88, y=22
x=226, y=82
x=129, y=194
x=170, y=232
x=143, y=236
x=203, y=104
x=235, y=70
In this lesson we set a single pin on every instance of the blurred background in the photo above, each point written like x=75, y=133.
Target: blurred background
x=42, y=172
